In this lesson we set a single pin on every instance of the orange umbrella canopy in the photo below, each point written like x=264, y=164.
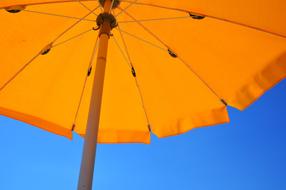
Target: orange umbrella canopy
x=172, y=65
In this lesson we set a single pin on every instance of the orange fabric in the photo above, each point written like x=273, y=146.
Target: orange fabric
x=265, y=14
x=239, y=63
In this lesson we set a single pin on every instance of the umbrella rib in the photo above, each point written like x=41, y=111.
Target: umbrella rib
x=122, y=52
x=157, y=6
x=181, y=10
x=57, y=15
x=127, y=7
x=145, y=41
x=144, y=27
x=154, y=19
x=50, y=45
x=125, y=45
x=129, y=63
x=45, y=3
x=72, y=38
x=161, y=41
x=85, y=81
x=210, y=16
x=202, y=80
x=19, y=71
x=74, y=24
x=86, y=7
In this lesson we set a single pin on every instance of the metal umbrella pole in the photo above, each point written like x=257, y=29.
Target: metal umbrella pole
x=106, y=22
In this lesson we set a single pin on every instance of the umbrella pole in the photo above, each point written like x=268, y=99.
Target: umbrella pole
x=89, y=149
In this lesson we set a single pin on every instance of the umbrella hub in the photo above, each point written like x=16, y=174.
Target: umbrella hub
x=106, y=17
x=106, y=22
x=115, y=3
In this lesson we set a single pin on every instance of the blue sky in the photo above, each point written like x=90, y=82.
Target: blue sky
x=247, y=154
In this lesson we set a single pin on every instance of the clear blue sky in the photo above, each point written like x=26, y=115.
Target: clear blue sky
x=247, y=154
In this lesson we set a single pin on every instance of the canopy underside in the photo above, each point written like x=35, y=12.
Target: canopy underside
x=216, y=62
